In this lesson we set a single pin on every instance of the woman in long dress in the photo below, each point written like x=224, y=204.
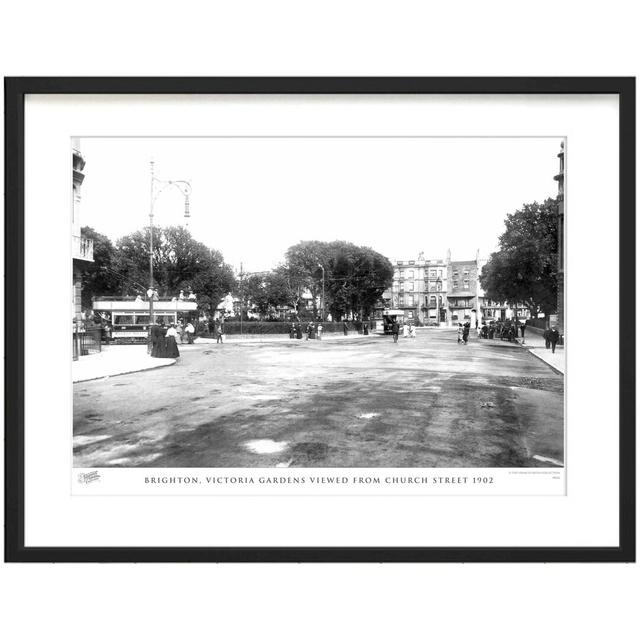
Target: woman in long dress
x=171, y=346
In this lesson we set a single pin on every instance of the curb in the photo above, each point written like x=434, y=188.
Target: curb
x=535, y=355
x=124, y=373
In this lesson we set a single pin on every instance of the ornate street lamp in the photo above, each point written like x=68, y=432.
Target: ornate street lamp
x=157, y=187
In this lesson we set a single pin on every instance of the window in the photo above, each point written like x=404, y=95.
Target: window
x=412, y=261
x=402, y=286
x=438, y=286
x=410, y=314
x=433, y=273
x=439, y=273
x=455, y=284
x=401, y=301
x=465, y=284
x=409, y=286
x=410, y=274
x=410, y=301
x=432, y=300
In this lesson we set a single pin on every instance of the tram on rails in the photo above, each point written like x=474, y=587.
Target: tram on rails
x=128, y=318
x=388, y=317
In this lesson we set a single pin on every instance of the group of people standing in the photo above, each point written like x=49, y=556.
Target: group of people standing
x=408, y=330
x=313, y=330
x=463, y=332
x=503, y=329
x=163, y=341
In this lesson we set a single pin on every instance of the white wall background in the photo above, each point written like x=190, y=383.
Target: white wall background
x=329, y=38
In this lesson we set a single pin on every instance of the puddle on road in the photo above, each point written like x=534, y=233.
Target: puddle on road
x=265, y=446
x=81, y=441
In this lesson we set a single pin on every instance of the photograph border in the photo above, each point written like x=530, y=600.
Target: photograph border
x=15, y=91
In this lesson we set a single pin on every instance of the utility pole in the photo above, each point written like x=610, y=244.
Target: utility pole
x=241, y=297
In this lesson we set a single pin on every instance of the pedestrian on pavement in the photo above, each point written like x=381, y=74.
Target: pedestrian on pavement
x=460, y=330
x=180, y=330
x=554, y=338
x=299, y=330
x=405, y=330
x=219, y=333
x=412, y=331
x=465, y=331
x=365, y=328
x=171, y=346
x=319, y=332
x=309, y=331
x=292, y=330
x=155, y=337
x=547, y=341
x=190, y=331
x=345, y=328
x=395, y=330
x=523, y=326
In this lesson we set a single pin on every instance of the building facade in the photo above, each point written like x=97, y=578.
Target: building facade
x=560, y=179
x=419, y=289
x=443, y=293
x=81, y=247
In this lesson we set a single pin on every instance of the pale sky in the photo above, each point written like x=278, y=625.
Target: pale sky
x=252, y=198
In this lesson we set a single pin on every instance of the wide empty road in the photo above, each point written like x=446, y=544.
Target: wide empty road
x=354, y=402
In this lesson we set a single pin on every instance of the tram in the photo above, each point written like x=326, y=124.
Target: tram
x=388, y=317
x=128, y=318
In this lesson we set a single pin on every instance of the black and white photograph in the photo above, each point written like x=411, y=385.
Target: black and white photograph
x=320, y=302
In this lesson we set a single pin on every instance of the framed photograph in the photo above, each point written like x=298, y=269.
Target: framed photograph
x=320, y=319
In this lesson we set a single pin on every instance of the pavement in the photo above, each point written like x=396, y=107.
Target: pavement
x=360, y=401
x=535, y=344
x=116, y=360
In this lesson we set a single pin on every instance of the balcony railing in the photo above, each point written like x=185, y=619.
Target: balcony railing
x=82, y=248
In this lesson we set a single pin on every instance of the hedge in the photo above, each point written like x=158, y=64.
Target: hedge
x=259, y=327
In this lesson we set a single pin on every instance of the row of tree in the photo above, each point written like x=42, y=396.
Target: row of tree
x=351, y=277
x=179, y=262
x=354, y=277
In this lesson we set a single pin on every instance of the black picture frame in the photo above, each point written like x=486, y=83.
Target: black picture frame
x=15, y=91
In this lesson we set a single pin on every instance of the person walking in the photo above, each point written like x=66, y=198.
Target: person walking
x=395, y=330
x=460, y=331
x=365, y=328
x=465, y=331
x=523, y=326
x=545, y=335
x=190, y=331
x=345, y=328
x=319, y=332
x=412, y=331
x=180, y=331
x=554, y=338
x=171, y=346
x=405, y=330
x=309, y=330
x=155, y=337
x=292, y=331
x=219, y=333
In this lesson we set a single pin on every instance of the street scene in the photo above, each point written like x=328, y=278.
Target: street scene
x=424, y=340
x=347, y=402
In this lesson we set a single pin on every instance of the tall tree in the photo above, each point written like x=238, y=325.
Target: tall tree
x=355, y=277
x=179, y=263
x=524, y=270
x=100, y=277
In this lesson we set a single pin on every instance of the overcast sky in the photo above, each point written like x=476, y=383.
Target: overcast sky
x=254, y=197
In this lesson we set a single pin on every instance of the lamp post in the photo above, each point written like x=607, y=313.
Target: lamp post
x=322, y=311
x=438, y=289
x=157, y=187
